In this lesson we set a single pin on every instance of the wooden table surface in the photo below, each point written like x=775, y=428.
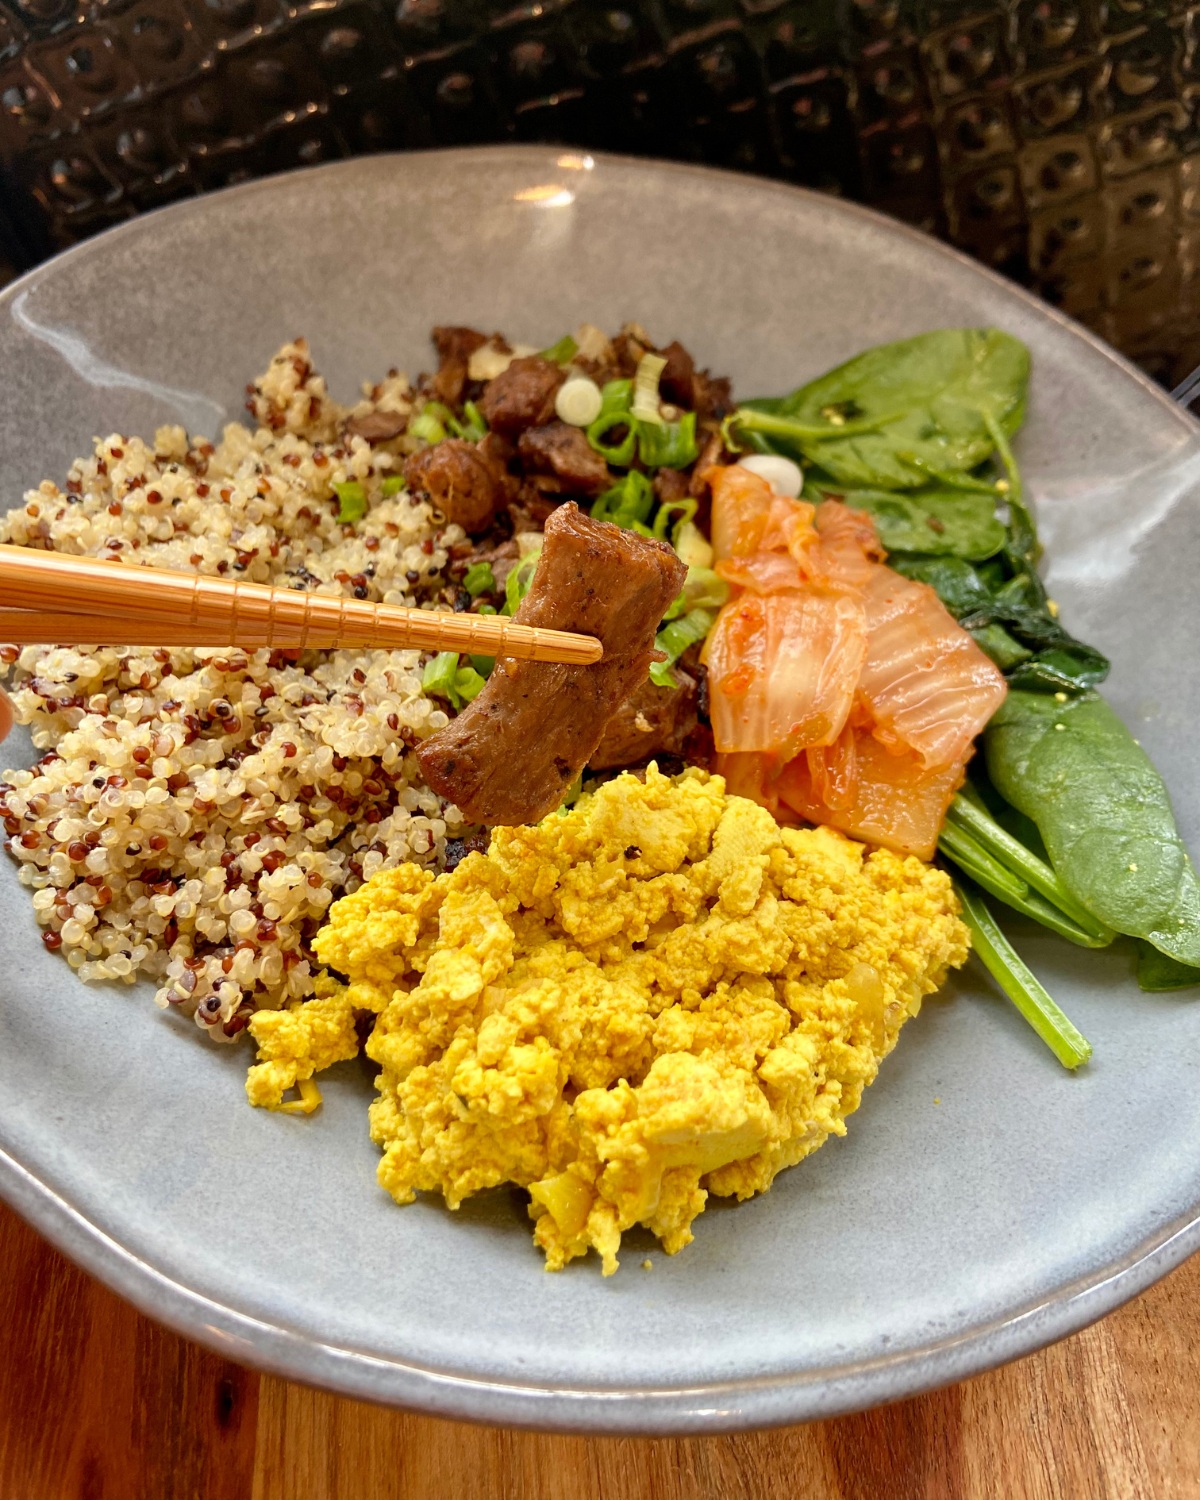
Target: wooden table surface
x=98, y=1403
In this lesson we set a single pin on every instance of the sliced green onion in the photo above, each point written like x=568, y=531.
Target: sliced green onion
x=693, y=547
x=669, y=445
x=438, y=678
x=578, y=402
x=479, y=579
x=628, y=503
x=486, y=609
x=516, y=585
x=685, y=509
x=1018, y=982
x=616, y=396
x=428, y=426
x=353, y=501
x=471, y=426
x=484, y=664
x=702, y=589
x=468, y=683
x=645, y=388
x=675, y=638
x=392, y=485
x=563, y=352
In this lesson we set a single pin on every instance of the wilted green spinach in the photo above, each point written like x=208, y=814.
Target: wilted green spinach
x=904, y=413
x=939, y=520
x=1103, y=813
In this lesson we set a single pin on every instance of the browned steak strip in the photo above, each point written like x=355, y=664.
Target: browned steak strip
x=565, y=452
x=522, y=397
x=651, y=721
x=459, y=481
x=511, y=754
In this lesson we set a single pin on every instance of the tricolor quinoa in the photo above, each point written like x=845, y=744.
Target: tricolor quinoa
x=196, y=811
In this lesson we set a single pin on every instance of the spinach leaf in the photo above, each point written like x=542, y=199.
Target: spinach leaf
x=1157, y=973
x=938, y=520
x=1103, y=812
x=912, y=410
x=994, y=641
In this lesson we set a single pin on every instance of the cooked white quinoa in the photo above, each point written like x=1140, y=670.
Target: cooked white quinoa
x=197, y=810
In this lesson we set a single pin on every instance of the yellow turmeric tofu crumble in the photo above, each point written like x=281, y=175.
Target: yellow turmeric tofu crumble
x=652, y=996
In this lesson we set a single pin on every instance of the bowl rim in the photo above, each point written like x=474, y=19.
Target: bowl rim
x=705, y=1408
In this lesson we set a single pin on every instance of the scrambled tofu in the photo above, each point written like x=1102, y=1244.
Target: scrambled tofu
x=654, y=996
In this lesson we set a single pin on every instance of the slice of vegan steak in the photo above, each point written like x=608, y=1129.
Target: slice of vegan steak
x=510, y=756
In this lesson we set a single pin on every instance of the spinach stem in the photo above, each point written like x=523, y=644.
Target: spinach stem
x=1024, y=531
x=974, y=860
x=1019, y=984
x=979, y=864
x=956, y=481
x=968, y=816
x=790, y=427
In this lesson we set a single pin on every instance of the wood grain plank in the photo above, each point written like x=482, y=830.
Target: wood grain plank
x=98, y=1403
x=328, y=1449
x=1110, y=1414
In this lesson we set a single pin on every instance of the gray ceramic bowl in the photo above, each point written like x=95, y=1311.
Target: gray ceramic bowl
x=938, y=1238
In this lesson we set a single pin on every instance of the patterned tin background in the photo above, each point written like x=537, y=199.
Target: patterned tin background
x=1054, y=139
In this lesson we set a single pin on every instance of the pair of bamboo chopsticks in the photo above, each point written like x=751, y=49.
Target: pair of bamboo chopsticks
x=57, y=599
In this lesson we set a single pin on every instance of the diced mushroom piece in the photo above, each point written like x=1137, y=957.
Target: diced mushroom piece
x=523, y=396
x=565, y=452
x=459, y=480
x=651, y=721
x=511, y=755
x=378, y=426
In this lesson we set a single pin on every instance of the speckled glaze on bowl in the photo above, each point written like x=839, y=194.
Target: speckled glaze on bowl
x=984, y=1201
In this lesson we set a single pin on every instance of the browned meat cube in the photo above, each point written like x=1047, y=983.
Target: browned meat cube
x=712, y=395
x=565, y=452
x=675, y=382
x=455, y=347
x=510, y=756
x=457, y=343
x=460, y=482
x=670, y=485
x=522, y=397
x=651, y=721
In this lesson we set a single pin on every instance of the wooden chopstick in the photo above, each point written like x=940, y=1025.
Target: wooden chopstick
x=37, y=627
x=131, y=605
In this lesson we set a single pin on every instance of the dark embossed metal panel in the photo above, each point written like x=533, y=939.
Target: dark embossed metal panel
x=1054, y=139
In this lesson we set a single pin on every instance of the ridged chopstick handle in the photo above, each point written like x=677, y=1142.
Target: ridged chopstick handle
x=288, y=618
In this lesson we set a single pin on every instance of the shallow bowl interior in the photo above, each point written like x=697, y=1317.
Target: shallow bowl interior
x=984, y=1202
